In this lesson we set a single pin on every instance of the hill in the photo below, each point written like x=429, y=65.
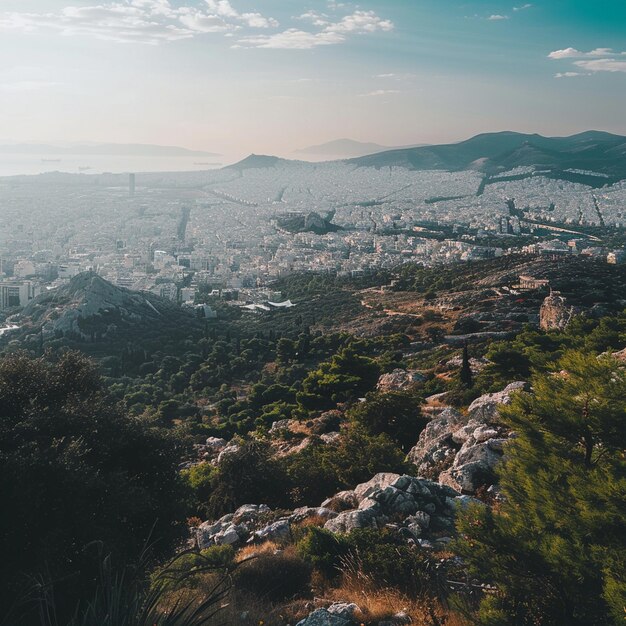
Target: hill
x=91, y=310
x=343, y=148
x=257, y=161
x=497, y=152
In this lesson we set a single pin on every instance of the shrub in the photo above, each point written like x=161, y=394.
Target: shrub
x=274, y=577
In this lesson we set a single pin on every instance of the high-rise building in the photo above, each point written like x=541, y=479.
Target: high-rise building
x=16, y=293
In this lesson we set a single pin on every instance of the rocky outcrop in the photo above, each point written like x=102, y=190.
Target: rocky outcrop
x=555, y=313
x=417, y=506
x=323, y=617
x=462, y=451
x=399, y=379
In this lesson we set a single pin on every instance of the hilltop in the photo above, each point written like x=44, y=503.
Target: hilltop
x=91, y=309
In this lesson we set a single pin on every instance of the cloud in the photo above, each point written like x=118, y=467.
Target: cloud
x=597, y=60
x=357, y=23
x=567, y=74
x=141, y=21
x=379, y=92
x=496, y=18
x=292, y=39
x=602, y=65
x=523, y=7
x=572, y=53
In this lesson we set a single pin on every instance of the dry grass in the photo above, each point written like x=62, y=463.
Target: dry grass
x=248, y=552
x=380, y=604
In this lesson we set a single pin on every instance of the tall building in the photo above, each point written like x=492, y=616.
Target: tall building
x=131, y=185
x=16, y=293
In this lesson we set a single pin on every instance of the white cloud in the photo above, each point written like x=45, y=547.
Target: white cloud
x=572, y=53
x=602, y=65
x=142, y=21
x=597, y=60
x=497, y=18
x=523, y=7
x=360, y=22
x=567, y=74
x=292, y=39
x=357, y=23
x=317, y=19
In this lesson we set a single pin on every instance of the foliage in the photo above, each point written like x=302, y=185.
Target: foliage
x=555, y=546
x=394, y=413
x=76, y=469
x=274, y=576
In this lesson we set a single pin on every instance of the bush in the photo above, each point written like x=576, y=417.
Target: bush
x=274, y=577
x=322, y=549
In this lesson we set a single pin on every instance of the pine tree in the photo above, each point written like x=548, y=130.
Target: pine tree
x=555, y=547
x=466, y=371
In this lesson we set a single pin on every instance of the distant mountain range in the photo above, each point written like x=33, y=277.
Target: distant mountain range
x=495, y=153
x=102, y=149
x=346, y=148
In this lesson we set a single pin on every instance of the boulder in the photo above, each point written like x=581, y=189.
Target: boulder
x=433, y=444
x=322, y=617
x=305, y=512
x=278, y=532
x=485, y=409
x=349, y=520
x=250, y=513
x=342, y=501
x=344, y=609
x=380, y=481
x=399, y=379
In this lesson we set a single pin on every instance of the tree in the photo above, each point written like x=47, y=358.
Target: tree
x=75, y=469
x=347, y=375
x=466, y=370
x=395, y=413
x=555, y=547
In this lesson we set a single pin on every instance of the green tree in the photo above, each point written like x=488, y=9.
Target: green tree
x=556, y=546
x=75, y=469
x=395, y=413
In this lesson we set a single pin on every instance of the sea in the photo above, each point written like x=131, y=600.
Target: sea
x=31, y=164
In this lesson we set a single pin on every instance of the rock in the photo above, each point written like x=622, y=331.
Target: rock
x=330, y=437
x=231, y=448
x=349, y=520
x=216, y=443
x=380, y=481
x=399, y=379
x=342, y=501
x=250, y=513
x=344, y=609
x=279, y=426
x=278, y=532
x=485, y=409
x=555, y=313
x=322, y=617
x=433, y=443
x=399, y=619
x=305, y=512
x=228, y=536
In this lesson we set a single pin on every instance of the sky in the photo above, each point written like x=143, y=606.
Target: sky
x=271, y=76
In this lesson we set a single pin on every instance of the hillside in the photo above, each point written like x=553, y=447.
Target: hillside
x=91, y=309
x=496, y=152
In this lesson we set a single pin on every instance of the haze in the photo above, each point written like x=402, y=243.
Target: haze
x=244, y=76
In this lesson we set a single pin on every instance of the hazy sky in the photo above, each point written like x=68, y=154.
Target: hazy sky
x=271, y=76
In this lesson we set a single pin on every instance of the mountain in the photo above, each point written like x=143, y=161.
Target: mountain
x=497, y=152
x=343, y=148
x=103, y=149
x=347, y=148
x=89, y=308
x=257, y=161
